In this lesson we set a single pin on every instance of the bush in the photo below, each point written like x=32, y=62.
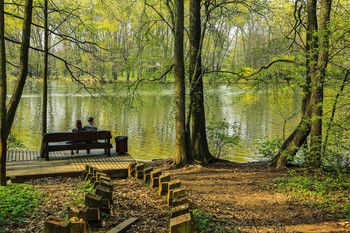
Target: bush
x=13, y=143
x=222, y=134
x=268, y=148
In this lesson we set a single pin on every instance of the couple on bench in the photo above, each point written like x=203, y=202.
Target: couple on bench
x=87, y=128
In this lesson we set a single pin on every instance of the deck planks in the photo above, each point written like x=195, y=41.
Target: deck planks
x=24, y=164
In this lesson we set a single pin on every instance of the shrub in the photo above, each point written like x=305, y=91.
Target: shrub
x=268, y=148
x=222, y=134
x=13, y=143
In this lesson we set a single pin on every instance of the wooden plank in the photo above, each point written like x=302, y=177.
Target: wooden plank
x=111, y=163
x=124, y=226
x=100, y=164
x=102, y=161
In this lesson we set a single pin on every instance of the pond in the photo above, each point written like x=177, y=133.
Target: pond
x=146, y=116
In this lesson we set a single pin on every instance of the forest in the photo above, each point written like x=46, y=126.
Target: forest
x=283, y=46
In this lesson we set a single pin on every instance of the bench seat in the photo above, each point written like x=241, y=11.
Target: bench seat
x=61, y=141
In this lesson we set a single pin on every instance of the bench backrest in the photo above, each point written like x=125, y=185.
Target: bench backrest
x=74, y=137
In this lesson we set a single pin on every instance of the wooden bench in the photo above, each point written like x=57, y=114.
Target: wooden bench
x=75, y=141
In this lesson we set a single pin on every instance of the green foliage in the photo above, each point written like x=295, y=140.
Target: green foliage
x=208, y=223
x=268, y=148
x=79, y=192
x=222, y=134
x=13, y=143
x=325, y=192
x=17, y=201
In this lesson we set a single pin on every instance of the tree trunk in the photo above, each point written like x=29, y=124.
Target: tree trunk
x=312, y=105
x=46, y=59
x=317, y=85
x=181, y=156
x=7, y=119
x=199, y=143
x=3, y=91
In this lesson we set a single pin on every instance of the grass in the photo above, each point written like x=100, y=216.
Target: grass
x=18, y=201
x=208, y=223
x=331, y=194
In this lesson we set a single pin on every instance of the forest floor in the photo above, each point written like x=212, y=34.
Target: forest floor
x=227, y=197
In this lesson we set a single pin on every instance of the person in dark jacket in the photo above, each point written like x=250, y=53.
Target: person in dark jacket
x=90, y=128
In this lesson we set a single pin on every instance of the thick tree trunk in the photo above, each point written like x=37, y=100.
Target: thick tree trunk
x=199, y=143
x=317, y=85
x=181, y=156
x=298, y=137
x=317, y=48
x=3, y=91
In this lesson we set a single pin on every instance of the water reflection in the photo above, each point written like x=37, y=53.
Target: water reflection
x=149, y=123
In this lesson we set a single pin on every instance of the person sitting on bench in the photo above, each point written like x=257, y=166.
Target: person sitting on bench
x=79, y=128
x=90, y=128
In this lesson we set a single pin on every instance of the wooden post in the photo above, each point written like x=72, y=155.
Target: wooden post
x=77, y=225
x=56, y=225
x=107, y=184
x=139, y=171
x=131, y=169
x=155, y=178
x=147, y=174
x=77, y=210
x=163, y=188
x=180, y=210
x=177, y=201
x=93, y=200
x=182, y=224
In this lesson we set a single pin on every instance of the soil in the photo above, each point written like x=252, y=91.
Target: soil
x=238, y=196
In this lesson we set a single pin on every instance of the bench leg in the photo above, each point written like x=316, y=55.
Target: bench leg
x=47, y=156
x=109, y=152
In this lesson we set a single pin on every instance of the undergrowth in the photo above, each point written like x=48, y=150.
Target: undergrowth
x=331, y=194
x=18, y=201
x=208, y=223
x=79, y=192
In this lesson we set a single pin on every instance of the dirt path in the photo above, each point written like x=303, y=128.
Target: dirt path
x=237, y=196
x=242, y=194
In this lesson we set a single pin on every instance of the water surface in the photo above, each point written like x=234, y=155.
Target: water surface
x=148, y=120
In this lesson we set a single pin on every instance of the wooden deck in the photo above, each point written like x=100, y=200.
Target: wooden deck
x=27, y=164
